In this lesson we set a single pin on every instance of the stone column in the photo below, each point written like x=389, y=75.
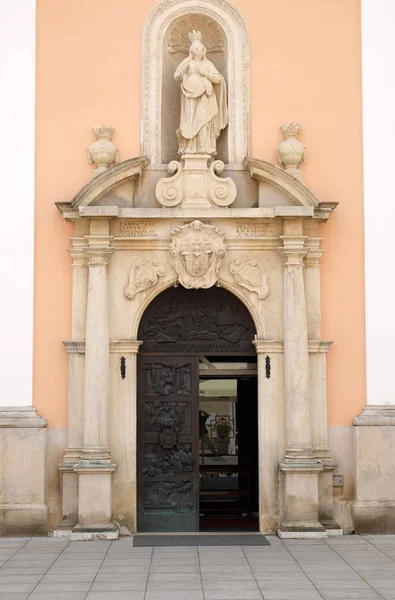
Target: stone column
x=123, y=433
x=317, y=353
x=95, y=466
x=299, y=466
x=76, y=351
x=271, y=430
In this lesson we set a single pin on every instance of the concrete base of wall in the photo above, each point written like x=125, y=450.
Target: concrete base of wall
x=23, y=448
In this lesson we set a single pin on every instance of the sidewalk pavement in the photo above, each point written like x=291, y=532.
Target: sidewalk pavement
x=344, y=568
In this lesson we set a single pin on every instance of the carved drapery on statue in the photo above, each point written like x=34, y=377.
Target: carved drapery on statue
x=204, y=111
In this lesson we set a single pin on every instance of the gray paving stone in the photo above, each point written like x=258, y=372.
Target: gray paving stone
x=172, y=569
x=16, y=587
x=71, y=570
x=180, y=576
x=175, y=595
x=12, y=596
x=232, y=595
x=11, y=570
x=229, y=576
x=338, y=594
x=19, y=578
x=129, y=595
x=119, y=577
x=67, y=578
x=169, y=586
x=292, y=595
x=58, y=596
x=284, y=585
x=120, y=586
x=132, y=569
x=76, y=586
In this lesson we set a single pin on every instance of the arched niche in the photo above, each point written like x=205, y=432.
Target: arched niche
x=161, y=53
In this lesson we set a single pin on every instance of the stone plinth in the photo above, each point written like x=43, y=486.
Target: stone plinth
x=23, y=509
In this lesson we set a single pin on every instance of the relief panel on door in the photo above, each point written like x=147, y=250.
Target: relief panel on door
x=167, y=432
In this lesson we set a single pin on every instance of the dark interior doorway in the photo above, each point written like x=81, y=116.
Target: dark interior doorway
x=197, y=414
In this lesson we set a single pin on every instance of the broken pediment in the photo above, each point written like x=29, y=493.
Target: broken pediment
x=130, y=186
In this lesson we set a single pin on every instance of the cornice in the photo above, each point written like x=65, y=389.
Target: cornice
x=116, y=346
x=376, y=415
x=125, y=346
x=20, y=417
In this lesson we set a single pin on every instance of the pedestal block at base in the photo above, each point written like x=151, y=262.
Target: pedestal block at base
x=94, y=503
x=325, y=501
x=83, y=533
x=70, y=497
x=301, y=500
x=374, y=506
x=23, y=476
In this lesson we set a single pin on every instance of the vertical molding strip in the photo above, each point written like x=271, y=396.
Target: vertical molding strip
x=378, y=101
x=17, y=103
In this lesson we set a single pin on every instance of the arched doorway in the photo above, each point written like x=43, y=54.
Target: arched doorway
x=197, y=413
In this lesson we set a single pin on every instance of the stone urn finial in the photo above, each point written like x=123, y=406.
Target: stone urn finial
x=102, y=152
x=291, y=152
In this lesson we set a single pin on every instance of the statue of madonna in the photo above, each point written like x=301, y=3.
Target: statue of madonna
x=204, y=110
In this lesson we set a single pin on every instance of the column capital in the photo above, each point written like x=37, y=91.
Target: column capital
x=75, y=346
x=77, y=252
x=98, y=256
x=125, y=346
x=293, y=250
x=314, y=254
x=268, y=346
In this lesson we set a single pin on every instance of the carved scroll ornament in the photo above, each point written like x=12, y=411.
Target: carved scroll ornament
x=250, y=274
x=197, y=252
x=143, y=275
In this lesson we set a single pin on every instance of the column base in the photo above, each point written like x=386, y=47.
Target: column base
x=301, y=530
x=300, y=518
x=332, y=527
x=104, y=531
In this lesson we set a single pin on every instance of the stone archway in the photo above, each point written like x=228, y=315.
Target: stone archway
x=180, y=329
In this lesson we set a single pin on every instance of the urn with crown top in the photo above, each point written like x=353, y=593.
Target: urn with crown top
x=102, y=152
x=291, y=152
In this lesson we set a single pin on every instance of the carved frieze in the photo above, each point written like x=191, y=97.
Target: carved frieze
x=250, y=274
x=143, y=275
x=196, y=252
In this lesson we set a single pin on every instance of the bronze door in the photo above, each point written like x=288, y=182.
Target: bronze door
x=168, y=472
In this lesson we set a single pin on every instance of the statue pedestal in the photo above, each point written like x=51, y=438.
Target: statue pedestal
x=194, y=183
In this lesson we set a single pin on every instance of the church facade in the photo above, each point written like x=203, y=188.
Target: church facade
x=199, y=318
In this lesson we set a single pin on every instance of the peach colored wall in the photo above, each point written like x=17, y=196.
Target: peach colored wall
x=305, y=65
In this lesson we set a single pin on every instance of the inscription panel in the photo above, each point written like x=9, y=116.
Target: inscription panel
x=135, y=229
x=248, y=229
